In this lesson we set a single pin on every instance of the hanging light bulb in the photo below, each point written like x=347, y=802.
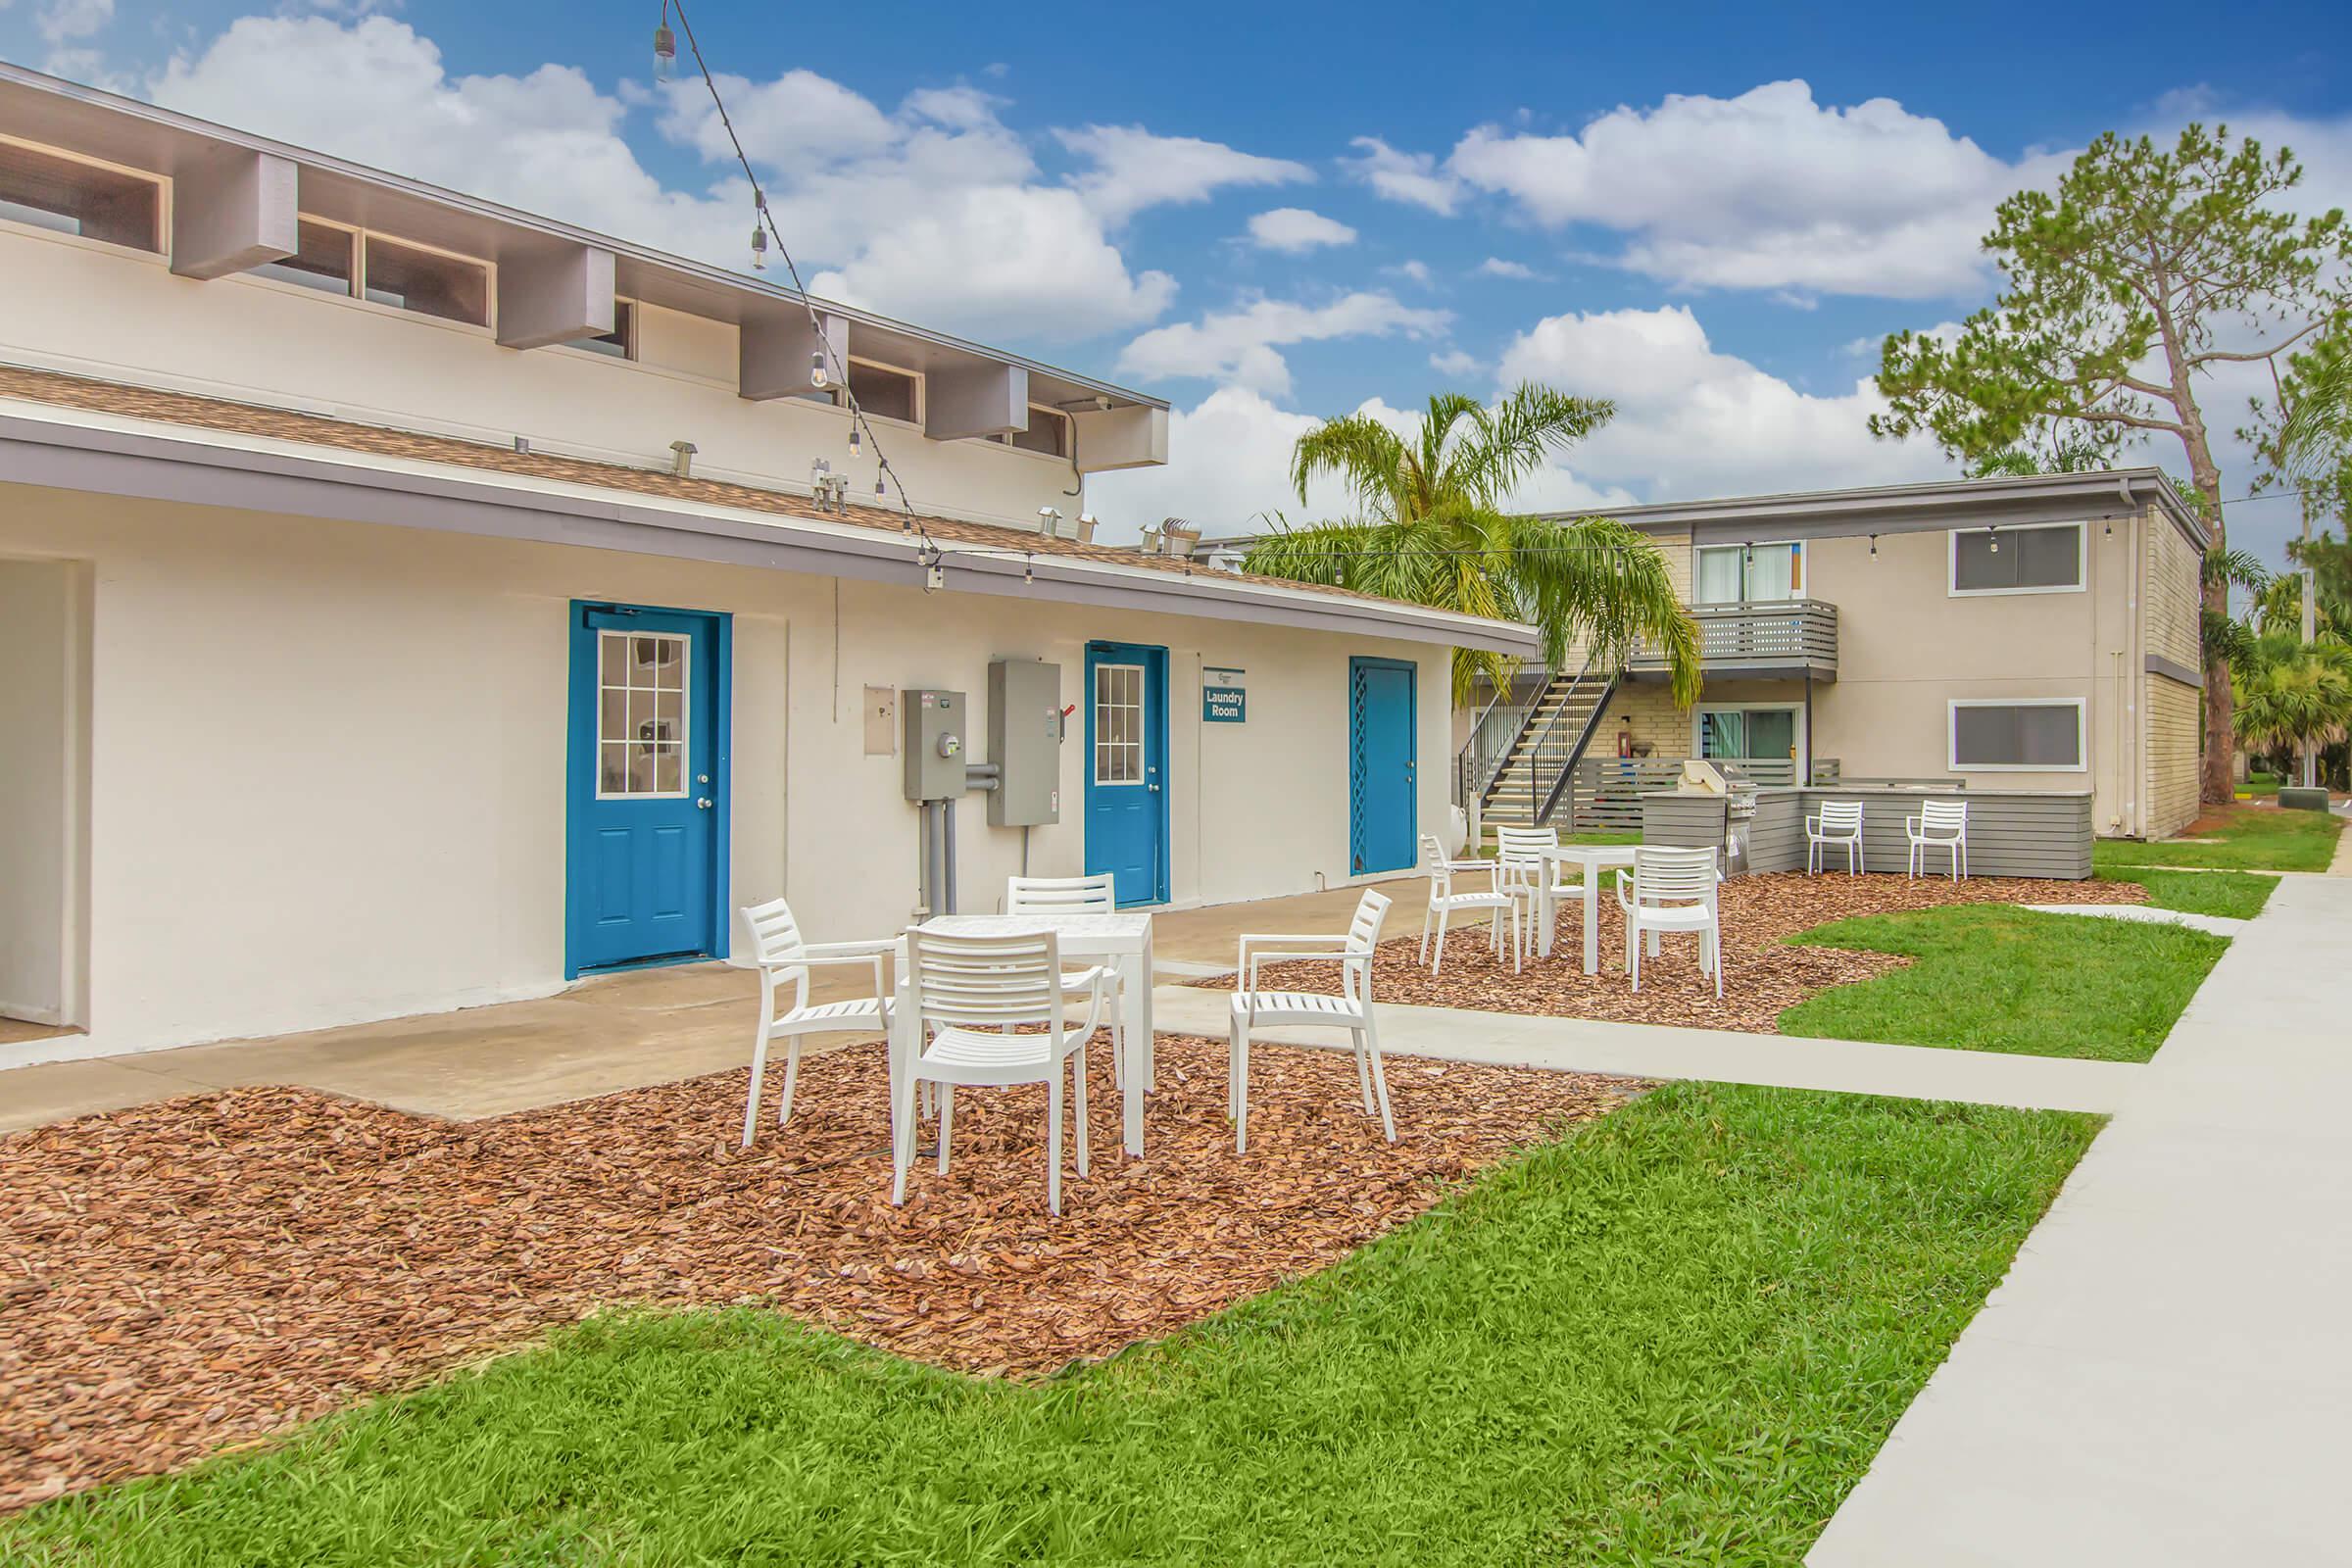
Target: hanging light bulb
x=1028, y=567
x=758, y=247
x=1993, y=541
x=856, y=441
x=817, y=367
x=1874, y=547
x=880, y=488
x=2110, y=528
x=666, y=47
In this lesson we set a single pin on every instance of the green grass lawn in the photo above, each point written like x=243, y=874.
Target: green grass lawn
x=2249, y=838
x=1994, y=977
x=2239, y=895
x=1677, y=1337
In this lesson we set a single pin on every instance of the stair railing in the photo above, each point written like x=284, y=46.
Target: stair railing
x=1491, y=735
x=1554, y=761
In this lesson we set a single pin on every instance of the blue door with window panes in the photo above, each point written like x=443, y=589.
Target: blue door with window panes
x=646, y=808
x=1126, y=776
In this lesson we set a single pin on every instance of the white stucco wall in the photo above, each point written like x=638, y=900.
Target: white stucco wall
x=123, y=316
x=327, y=760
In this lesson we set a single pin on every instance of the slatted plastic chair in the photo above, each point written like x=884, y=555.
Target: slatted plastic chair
x=1839, y=822
x=782, y=954
x=1939, y=825
x=1444, y=903
x=1079, y=895
x=1519, y=851
x=1350, y=1010
x=966, y=993
x=1672, y=890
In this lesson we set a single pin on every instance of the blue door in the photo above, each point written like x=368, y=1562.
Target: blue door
x=1126, y=769
x=646, y=811
x=1381, y=786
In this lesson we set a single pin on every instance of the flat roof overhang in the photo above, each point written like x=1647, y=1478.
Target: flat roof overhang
x=108, y=455
x=1740, y=669
x=145, y=136
x=2107, y=494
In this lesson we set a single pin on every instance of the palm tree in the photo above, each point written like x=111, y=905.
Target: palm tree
x=2297, y=695
x=1432, y=530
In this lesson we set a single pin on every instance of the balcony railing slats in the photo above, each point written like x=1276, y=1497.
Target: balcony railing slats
x=1787, y=633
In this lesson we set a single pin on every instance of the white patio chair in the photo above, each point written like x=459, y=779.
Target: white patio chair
x=1444, y=903
x=1079, y=895
x=965, y=990
x=1519, y=852
x=1839, y=823
x=780, y=953
x=1351, y=1010
x=1673, y=890
x=1939, y=825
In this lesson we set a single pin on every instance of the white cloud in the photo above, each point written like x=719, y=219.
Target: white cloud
x=1415, y=271
x=62, y=21
x=1295, y=231
x=1496, y=267
x=1239, y=346
x=1766, y=190
x=1413, y=178
x=1133, y=168
x=1454, y=362
x=1695, y=422
x=935, y=211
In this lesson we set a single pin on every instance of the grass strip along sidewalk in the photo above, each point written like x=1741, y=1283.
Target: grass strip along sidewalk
x=2239, y=838
x=2237, y=894
x=1992, y=977
x=1677, y=1336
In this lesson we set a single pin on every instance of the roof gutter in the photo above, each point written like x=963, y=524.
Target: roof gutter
x=110, y=460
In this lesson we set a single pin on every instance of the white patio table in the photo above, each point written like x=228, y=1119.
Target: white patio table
x=1594, y=859
x=1120, y=940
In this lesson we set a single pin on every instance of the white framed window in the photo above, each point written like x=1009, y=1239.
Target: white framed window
x=1120, y=724
x=327, y=260
x=620, y=343
x=44, y=189
x=1743, y=573
x=1747, y=732
x=2042, y=558
x=2017, y=735
x=641, y=736
x=430, y=282
x=1049, y=434
x=885, y=392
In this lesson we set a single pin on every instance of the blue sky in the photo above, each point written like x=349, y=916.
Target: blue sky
x=1268, y=214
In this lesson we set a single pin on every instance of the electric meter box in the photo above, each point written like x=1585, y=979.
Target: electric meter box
x=1024, y=740
x=934, y=729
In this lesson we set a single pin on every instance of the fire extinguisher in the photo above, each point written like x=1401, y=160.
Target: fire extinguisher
x=1625, y=743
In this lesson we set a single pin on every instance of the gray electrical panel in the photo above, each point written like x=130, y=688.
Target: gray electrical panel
x=1024, y=740
x=935, y=760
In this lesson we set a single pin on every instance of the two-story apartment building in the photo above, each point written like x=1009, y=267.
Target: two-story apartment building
x=2018, y=633
x=412, y=602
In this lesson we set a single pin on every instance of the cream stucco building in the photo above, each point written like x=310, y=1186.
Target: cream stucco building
x=2035, y=633
x=413, y=603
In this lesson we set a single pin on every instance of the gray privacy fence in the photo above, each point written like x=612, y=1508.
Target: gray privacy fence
x=2039, y=833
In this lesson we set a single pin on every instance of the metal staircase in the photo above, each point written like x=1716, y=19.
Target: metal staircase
x=1529, y=774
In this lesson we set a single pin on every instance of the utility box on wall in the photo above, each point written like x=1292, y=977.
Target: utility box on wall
x=1024, y=740
x=935, y=761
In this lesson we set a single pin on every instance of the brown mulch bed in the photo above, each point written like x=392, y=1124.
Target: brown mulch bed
x=1761, y=978
x=214, y=1268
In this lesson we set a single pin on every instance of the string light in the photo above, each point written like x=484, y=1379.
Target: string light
x=1028, y=567
x=1993, y=541
x=1874, y=547
x=856, y=446
x=766, y=227
x=666, y=47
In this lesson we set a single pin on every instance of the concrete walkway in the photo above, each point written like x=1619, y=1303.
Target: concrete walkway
x=2166, y=1374
x=1721, y=1056
x=2219, y=925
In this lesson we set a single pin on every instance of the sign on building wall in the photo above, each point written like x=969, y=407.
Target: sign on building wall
x=1224, y=699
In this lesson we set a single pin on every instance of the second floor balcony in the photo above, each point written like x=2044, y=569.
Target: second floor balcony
x=1782, y=639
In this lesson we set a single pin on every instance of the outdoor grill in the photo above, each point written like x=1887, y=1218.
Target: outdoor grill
x=1738, y=816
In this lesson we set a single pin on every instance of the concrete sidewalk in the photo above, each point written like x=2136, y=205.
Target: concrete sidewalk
x=2166, y=1374
x=1720, y=1055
